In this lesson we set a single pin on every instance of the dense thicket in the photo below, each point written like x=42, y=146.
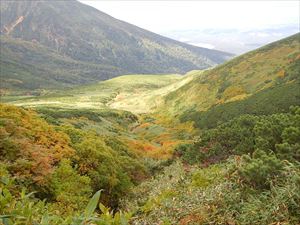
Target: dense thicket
x=245, y=171
x=226, y=176
x=264, y=175
x=61, y=164
x=277, y=134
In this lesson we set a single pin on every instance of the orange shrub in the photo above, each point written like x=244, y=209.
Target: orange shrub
x=32, y=146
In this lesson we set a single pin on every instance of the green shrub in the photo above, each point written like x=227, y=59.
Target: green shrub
x=71, y=190
x=25, y=209
x=208, y=176
x=277, y=133
x=188, y=153
x=260, y=169
x=279, y=204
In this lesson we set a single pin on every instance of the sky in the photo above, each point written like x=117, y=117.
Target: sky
x=232, y=26
x=164, y=16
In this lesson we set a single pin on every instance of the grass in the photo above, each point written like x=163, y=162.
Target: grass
x=135, y=93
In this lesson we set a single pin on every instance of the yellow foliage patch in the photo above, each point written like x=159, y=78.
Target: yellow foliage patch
x=233, y=91
x=281, y=73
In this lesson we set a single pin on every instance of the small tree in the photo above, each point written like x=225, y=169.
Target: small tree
x=260, y=169
x=71, y=190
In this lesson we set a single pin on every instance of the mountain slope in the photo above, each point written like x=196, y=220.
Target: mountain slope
x=273, y=64
x=29, y=66
x=85, y=34
x=274, y=68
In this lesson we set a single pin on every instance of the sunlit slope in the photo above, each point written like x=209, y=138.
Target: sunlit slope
x=146, y=98
x=276, y=99
x=276, y=63
x=135, y=93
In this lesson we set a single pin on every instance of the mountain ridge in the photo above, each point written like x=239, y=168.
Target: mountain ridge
x=239, y=78
x=85, y=34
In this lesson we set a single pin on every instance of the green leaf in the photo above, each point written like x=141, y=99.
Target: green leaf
x=89, y=210
x=123, y=219
x=5, y=219
x=5, y=180
x=103, y=209
x=5, y=216
x=30, y=194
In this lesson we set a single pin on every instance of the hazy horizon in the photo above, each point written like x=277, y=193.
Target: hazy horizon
x=253, y=23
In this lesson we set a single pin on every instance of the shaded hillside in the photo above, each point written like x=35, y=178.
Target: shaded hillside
x=82, y=33
x=276, y=63
x=27, y=66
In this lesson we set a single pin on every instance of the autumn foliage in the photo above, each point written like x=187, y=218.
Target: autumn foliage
x=30, y=146
x=54, y=160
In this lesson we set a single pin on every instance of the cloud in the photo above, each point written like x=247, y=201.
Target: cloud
x=259, y=34
x=203, y=45
x=184, y=40
x=160, y=16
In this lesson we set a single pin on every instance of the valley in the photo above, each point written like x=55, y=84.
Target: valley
x=129, y=92
x=105, y=123
x=167, y=141
x=232, y=81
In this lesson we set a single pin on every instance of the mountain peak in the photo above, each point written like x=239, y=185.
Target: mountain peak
x=82, y=33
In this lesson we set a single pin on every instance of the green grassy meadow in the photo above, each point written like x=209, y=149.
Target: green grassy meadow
x=135, y=93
